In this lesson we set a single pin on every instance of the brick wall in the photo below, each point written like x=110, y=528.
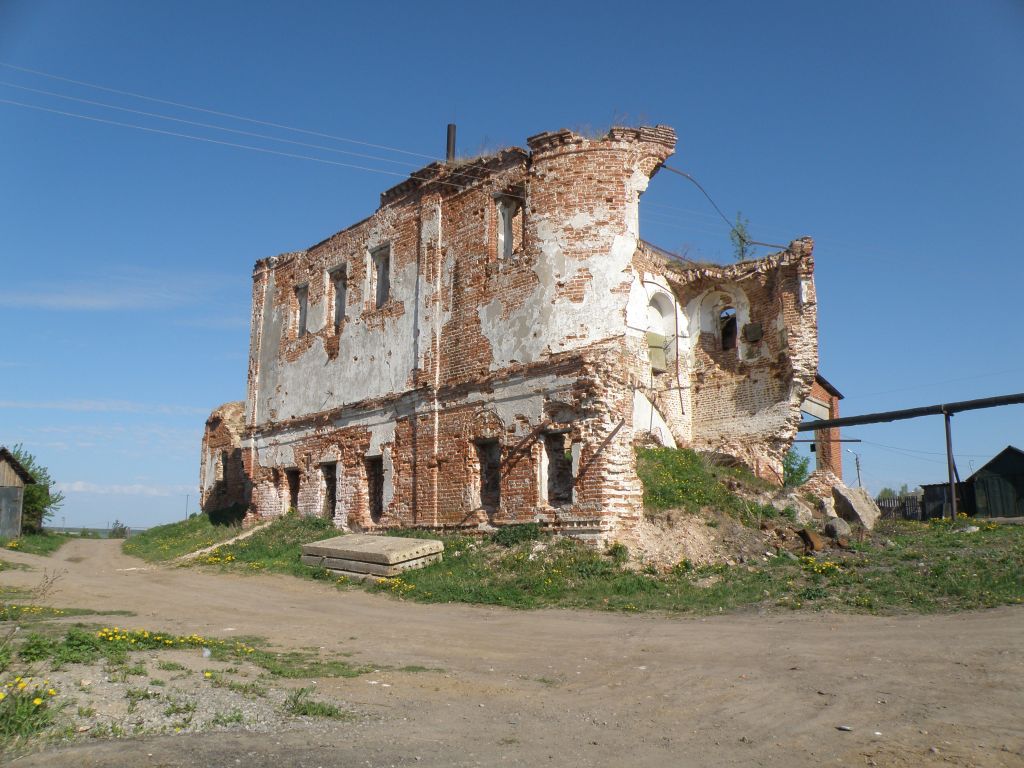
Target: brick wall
x=223, y=474
x=530, y=347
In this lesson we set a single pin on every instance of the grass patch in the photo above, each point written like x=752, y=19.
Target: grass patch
x=26, y=612
x=299, y=664
x=245, y=689
x=44, y=543
x=27, y=708
x=946, y=570
x=683, y=479
x=277, y=547
x=166, y=542
x=299, y=702
x=223, y=719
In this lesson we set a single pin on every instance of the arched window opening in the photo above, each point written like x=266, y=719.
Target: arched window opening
x=727, y=327
x=660, y=331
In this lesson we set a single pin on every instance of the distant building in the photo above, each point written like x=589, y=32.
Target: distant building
x=997, y=489
x=823, y=403
x=13, y=479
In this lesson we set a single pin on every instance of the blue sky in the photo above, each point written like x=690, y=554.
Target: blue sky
x=890, y=132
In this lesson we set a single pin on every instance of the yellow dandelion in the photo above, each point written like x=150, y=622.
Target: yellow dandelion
x=52, y=692
x=37, y=701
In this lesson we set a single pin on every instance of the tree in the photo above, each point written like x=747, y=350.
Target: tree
x=742, y=247
x=887, y=493
x=795, y=469
x=39, y=502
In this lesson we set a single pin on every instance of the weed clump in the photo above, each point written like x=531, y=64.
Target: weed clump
x=300, y=703
x=510, y=535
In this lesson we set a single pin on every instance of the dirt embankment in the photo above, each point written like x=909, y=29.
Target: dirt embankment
x=575, y=688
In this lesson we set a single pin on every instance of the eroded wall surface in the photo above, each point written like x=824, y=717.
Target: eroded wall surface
x=223, y=467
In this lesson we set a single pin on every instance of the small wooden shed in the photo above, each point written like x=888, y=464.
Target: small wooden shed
x=997, y=489
x=13, y=479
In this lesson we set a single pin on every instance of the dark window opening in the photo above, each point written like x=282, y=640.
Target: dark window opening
x=560, y=477
x=339, y=284
x=375, y=486
x=727, y=326
x=302, y=302
x=293, y=488
x=488, y=454
x=330, y=473
x=381, y=275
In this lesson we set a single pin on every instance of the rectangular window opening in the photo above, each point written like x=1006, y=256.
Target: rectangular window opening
x=330, y=474
x=488, y=454
x=560, y=480
x=339, y=287
x=381, y=259
x=302, y=304
x=375, y=486
x=292, y=476
x=510, y=226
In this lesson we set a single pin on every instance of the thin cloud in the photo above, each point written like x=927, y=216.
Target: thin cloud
x=103, y=406
x=110, y=293
x=136, y=489
x=228, y=323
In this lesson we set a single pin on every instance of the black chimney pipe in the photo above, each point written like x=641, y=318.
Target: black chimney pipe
x=450, y=156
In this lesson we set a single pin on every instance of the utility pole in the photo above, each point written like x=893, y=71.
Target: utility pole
x=950, y=468
x=186, y=506
x=856, y=457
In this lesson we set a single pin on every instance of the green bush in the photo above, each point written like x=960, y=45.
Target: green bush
x=510, y=535
x=36, y=647
x=619, y=553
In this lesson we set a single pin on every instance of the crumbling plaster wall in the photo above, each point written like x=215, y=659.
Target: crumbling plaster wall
x=471, y=346
x=746, y=400
x=475, y=344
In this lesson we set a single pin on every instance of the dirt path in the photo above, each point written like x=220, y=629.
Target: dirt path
x=577, y=688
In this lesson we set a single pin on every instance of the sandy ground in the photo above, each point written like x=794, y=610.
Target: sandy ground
x=575, y=688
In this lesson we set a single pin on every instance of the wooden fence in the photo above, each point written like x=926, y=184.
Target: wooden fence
x=900, y=508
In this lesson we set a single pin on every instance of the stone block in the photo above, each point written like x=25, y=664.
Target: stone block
x=383, y=550
x=837, y=528
x=855, y=505
x=362, y=567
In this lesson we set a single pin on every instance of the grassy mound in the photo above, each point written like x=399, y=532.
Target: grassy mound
x=166, y=542
x=277, y=547
x=904, y=567
x=44, y=543
x=683, y=479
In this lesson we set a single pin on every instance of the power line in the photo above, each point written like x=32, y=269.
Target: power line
x=208, y=125
x=929, y=453
x=236, y=145
x=213, y=111
x=732, y=227
x=702, y=214
x=197, y=138
x=942, y=381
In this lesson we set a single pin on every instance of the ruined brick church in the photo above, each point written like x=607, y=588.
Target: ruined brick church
x=491, y=344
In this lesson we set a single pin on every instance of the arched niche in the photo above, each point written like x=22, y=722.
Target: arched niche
x=665, y=323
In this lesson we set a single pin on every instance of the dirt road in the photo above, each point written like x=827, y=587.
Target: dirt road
x=577, y=688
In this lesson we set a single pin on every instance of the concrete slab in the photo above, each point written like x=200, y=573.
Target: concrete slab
x=375, y=569
x=363, y=548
